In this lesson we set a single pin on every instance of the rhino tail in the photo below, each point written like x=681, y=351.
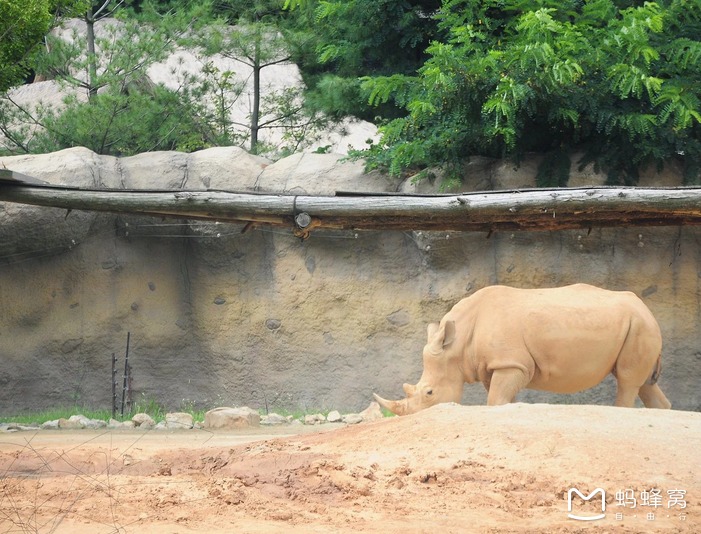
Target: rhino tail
x=655, y=375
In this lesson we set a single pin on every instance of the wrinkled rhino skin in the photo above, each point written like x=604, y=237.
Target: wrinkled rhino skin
x=563, y=340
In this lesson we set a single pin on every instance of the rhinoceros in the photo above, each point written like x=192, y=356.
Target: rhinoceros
x=563, y=339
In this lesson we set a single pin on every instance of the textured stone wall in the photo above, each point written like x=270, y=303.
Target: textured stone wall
x=220, y=317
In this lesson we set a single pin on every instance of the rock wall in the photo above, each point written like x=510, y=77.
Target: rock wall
x=219, y=317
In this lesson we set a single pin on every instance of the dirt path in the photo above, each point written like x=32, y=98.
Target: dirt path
x=448, y=469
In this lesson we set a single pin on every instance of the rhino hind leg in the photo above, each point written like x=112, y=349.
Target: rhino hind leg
x=505, y=384
x=626, y=394
x=652, y=397
x=650, y=394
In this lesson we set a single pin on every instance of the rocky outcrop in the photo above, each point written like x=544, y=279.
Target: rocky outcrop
x=185, y=63
x=219, y=317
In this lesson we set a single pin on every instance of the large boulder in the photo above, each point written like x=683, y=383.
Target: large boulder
x=225, y=418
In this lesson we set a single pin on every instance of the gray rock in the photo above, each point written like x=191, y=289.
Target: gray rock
x=113, y=423
x=352, y=419
x=372, y=412
x=399, y=318
x=334, y=417
x=314, y=419
x=310, y=420
x=79, y=418
x=231, y=418
x=50, y=425
x=95, y=423
x=17, y=427
x=273, y=324
x=143, y=420
x=178, y=420
x=78, y=421
x=69, y=424
x=274, y=419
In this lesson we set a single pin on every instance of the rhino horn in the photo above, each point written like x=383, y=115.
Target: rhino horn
x=396, y=407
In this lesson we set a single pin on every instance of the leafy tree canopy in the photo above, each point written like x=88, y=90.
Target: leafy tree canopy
x=23, y=24
x=347, y=39
x=619, y=80
x=116, y=109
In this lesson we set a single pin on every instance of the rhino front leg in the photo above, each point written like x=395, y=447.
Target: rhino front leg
x=505, y=384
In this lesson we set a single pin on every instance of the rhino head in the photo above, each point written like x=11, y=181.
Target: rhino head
x=442, y=378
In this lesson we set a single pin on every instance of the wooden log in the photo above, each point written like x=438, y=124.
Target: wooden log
x=534, y=209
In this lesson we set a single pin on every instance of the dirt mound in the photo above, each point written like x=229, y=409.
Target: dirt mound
x=454, y=468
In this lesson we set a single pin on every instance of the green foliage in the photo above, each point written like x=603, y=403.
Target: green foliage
x=346, y=40
x=261, y=39
x=554, y=170
x=23, y=24
x=52, y=414
x=120, y=123
x=209, y=98
x=151, y=406
x=125, y=113
x=621, y=82
x=125, y=52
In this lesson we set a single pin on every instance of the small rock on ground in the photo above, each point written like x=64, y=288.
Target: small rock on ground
x=352, y=419
x=143, y=420
x=274, y=419
x=178, y=420
x=334, y=417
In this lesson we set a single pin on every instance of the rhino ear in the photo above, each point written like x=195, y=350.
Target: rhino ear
x=449, y=333
x=431, y=330
x=440, y=336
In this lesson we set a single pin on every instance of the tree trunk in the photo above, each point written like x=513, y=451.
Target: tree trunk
x=255, y=112
x=91, y=57
x=537, y=209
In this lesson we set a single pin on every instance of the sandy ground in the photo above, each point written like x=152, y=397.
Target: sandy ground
x=448, y=469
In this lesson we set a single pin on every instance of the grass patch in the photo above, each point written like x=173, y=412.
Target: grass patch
x=55, y=413
x=147, y=405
